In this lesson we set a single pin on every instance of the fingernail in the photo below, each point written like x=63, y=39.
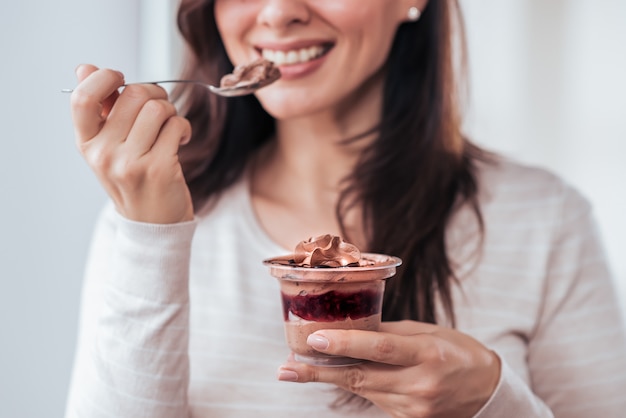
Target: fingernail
x=317, y=342
x=287, y=375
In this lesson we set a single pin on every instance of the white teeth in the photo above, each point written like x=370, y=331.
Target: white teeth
x=279, y=57
x=268, y=55
x=294, y=56
x=304, y=55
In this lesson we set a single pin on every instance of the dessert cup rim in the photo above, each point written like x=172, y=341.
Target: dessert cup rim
x=382, y=261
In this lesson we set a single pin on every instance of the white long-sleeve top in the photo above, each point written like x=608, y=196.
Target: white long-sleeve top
x=184, y=320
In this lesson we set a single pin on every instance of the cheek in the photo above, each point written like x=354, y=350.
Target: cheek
x=369, y=27
x=233, y=19
x=373, y=16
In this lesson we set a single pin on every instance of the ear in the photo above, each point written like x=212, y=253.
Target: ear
x=410, y=10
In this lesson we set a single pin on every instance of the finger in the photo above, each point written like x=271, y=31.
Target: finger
x=398, y=391
x=149, y=123
x=83, y=71
x=91, y=99
x=125, y=113
x=175, y=132
x=380, y=347
x=407, y=327
x=366, y=380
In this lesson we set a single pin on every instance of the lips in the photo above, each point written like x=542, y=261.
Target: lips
x=296, y=59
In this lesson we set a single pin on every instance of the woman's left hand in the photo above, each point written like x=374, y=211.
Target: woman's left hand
x=414, y=369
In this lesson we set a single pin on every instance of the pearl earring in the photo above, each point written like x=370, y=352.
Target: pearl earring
x=414, y=14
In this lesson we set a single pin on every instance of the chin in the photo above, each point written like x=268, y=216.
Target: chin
x=282, y=104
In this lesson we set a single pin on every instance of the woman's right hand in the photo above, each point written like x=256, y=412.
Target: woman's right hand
x=131, y=140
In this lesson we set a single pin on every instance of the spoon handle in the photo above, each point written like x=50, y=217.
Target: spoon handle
x=153, y=82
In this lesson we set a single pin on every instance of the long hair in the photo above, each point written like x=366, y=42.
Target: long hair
x=420, y=168
x=408, y=181
x=226, y=132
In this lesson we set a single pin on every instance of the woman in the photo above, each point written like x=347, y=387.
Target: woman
x=503, y=305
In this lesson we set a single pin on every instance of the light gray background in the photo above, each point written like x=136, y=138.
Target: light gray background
x=49, y=198
x=547, y=86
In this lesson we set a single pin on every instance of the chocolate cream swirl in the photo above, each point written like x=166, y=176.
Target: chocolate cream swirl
x=256, y=72
x=326, y=251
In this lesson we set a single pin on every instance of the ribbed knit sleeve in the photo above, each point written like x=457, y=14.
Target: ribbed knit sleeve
x=577, y=350
x=132, y=358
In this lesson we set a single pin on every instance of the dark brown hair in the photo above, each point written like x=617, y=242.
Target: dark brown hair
x=408, y=181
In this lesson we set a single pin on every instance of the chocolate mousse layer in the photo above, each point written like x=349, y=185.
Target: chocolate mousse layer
x=297, y=332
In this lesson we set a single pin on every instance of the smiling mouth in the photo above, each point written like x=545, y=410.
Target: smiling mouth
x=295, y=56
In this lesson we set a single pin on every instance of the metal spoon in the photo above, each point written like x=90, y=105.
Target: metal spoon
x=234, y=91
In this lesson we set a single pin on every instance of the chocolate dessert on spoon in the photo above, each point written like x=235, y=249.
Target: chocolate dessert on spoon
x=245, y=79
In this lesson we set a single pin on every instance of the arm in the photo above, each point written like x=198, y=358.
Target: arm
x=132, y=353
x=576, y=354
x=131, y=359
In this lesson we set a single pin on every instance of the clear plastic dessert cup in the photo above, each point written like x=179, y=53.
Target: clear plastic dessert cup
x=316, y=298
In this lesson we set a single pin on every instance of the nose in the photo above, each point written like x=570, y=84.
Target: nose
x=279, y=14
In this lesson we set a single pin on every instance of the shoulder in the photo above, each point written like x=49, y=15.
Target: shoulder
x=522, y=207
x=507, y=183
